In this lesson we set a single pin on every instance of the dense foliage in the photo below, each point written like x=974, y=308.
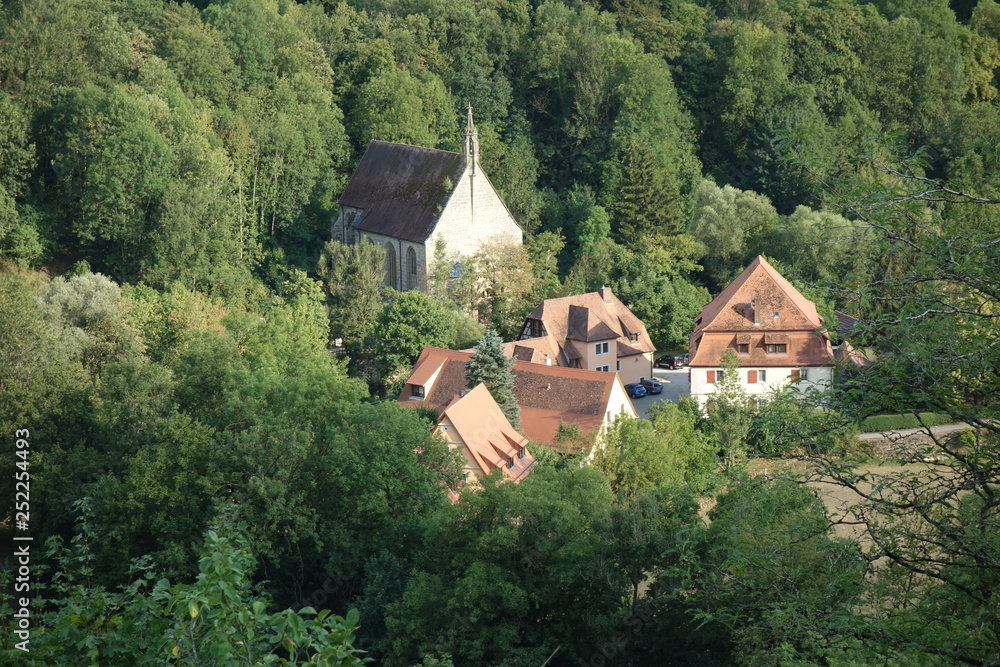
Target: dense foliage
x=170, y=306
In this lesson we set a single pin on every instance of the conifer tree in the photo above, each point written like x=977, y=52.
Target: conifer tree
x=493, y=368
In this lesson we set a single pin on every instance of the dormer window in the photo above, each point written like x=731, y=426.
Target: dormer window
x=510, y=463
x=634, y=337
x=535, y=328
x=521, y=453
x=742, y=348
x=777, y=348
x=417, y=391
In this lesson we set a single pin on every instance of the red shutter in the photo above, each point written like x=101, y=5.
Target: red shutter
x=751, y=377
x=711, y=377
x=795, y=375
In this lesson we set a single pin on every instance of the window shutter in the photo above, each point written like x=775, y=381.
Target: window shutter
x=795, y=375
x=711, y=377
x=751, y=377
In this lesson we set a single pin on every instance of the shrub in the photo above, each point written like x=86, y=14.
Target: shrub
x=879, y=423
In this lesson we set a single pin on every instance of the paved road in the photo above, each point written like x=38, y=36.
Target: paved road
x=675, y=384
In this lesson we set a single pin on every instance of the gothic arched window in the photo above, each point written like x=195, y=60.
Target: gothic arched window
x=390, y=266
x=412, y=281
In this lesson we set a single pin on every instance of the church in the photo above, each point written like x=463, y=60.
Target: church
x=405, y=198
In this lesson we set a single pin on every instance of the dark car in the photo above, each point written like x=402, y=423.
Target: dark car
x=635, y=390
x=669, y=361
x=652, y=386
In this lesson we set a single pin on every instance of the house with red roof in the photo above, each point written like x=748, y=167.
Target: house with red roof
x=776, y=334
x=475, y=425
x=547, y=395
x=407, y=198
x=593, y=331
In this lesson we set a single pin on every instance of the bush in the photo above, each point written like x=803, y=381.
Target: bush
x=880, y=423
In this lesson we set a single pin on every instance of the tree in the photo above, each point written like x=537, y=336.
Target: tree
x=352, y=277
x=492, y=367
x=484, y=590
x=504, y=276
x=405, y=327
x=218, y=617
x=727, y=221
x=773, y=573
x=730, y=413
x=932, y=524
x=89, y=314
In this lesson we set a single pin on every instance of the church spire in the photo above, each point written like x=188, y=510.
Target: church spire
x=471, y=140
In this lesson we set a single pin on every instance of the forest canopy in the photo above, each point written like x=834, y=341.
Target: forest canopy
x=202, y=369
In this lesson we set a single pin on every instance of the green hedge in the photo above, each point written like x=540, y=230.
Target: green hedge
x=879, y=423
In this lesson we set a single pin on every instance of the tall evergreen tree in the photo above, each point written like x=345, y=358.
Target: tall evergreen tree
x=649, y=202
x=493, y=368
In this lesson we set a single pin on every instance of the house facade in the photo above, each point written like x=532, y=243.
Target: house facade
x=407, y=198
x=776, y=334
x=593, y=331
x=547, y=395
x=474, y=425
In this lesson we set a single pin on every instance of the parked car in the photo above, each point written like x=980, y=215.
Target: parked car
x=652, y=386
x=665, y=362
x=635, y=390
x=669, y=361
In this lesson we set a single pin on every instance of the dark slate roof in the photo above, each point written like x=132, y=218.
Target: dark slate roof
x=845, y=324
x=401, y=188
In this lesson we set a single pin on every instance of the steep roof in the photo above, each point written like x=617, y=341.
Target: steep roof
x=758, y=308
x=401, y=188
x=760, y=281
x=534, y=350
x=546, y=394
x=492, y=442
x=592, y=317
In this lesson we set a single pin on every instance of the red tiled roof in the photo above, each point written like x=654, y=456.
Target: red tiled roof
x=492, y=442
x=401, y=188
x=759, y=308
x=546, y=394
x=591, y=317
x=533, y=349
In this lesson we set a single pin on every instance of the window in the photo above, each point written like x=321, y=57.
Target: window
x=603, y=368
x=510, y=463
x=456, y=270
x=521, y=453
x=719, y=375
x=634, y=337
x=412, y=279
x=535, y=328
x=601, y=348
x=417, y=391
x=743, y=348
x=618, y=365
x=390, y=266
x=777, y=314
x=751, y=377
x=710, y=376
x=762, y=376
x=777, y=348
x=803, y=373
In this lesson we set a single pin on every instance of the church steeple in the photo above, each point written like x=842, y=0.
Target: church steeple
x=471, y=141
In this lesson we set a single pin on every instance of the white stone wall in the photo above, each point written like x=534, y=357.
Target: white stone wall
x=618, y=402
x=818, y=376
x=473, y=214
